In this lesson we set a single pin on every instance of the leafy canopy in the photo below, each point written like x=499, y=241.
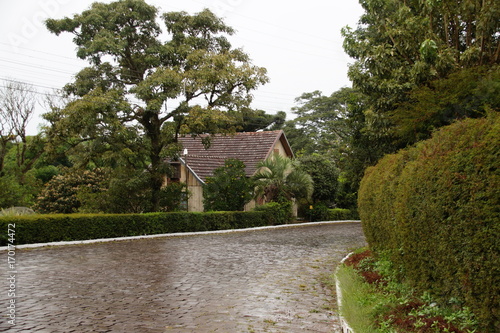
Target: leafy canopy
x=145, y=84
x=400, y=44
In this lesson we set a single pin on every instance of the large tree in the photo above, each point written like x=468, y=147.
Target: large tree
x=325, y=122
x=185, y=78
x=343, y=129
x=406, y=50
x=400, y=44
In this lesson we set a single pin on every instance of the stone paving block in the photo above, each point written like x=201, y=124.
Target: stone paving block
x=258, y=281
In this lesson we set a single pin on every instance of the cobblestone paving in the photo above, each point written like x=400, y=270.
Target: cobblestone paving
x=252, y=281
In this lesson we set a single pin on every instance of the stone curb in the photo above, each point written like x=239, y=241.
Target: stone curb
x=180, y=234
x=344, y=326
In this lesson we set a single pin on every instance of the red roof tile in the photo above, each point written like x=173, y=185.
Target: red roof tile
x=248, y=147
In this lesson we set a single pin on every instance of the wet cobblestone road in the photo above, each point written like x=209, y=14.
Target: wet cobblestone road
x=252, y=281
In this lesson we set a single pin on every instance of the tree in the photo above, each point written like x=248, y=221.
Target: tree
x=403, y=48
x=324, y=175
x=17, y=106
x=254, y=120
x=229, y=189
x=344, y=130
x=278, y=180
x=13, y=194
x=137, y=83
x=469, y=93
x=323, y=120
x=400, y=44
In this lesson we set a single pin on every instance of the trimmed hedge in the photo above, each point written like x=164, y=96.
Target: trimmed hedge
x=435, y=209
x=321, y=212
x=55, y=228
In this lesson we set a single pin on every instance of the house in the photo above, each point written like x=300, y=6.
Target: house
x=198, y=162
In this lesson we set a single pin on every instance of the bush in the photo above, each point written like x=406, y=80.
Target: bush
x=434, y=207
x=320, y=212
x=229, y=189
x=276, y=213
x=339, y=214
x=55, y=228
x=60, y=194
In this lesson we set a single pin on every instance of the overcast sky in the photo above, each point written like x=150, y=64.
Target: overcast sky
x=298, y=42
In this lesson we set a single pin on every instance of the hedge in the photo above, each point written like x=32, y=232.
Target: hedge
x=55, y=228
x=434, y=209
x=320, y=212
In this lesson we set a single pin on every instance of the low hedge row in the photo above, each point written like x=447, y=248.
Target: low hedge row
x=54, y=228
x=320, y=212
x=434, y=209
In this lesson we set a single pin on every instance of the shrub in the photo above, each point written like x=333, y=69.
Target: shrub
x=434, y=207
x=60, y=194
x=320, y=212
x=276, y=213
x=59, y=227
x=339, y=214
x=317, y=212
x=229, y=189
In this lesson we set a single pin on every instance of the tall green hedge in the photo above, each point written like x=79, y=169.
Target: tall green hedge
x=435, y=208
x=54, y=228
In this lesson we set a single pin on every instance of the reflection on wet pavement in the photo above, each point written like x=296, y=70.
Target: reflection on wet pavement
x=252, y=281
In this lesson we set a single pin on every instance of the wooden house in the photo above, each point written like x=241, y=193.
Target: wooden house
x=198, y=162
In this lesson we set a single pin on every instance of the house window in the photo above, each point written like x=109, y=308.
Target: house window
x=176, y=172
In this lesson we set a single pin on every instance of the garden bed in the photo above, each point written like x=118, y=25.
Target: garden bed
x=373, y=301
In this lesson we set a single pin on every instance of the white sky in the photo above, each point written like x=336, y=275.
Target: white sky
x=298, y=42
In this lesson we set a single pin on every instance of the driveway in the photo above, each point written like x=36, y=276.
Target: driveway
x=266, y=280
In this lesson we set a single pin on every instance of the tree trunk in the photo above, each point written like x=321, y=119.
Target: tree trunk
x=151, y=122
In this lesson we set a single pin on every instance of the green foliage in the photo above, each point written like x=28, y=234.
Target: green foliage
x=123, y=41
x=174, y=197
x=323, y=124
x=434, y=208
x=346, y=133
x=123, y=190
x=337, y=214
x=127, y=191
x=400, y=44
x=317, y=212
x=321, y=119
x=249, y=120
x=276, y=213
x=466, y=93
x=45, y=173
x=279, y=180
x=320, y=212
x=54, y=228
x=14, y=194
x=60, y=195
x=324, y=175
x=375, y=300
x=229, y=189
x=421, y=65
x=361, y=304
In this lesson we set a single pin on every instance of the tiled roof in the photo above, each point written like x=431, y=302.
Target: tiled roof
x=248, y=147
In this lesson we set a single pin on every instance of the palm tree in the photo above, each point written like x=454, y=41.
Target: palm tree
x=279, y=180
